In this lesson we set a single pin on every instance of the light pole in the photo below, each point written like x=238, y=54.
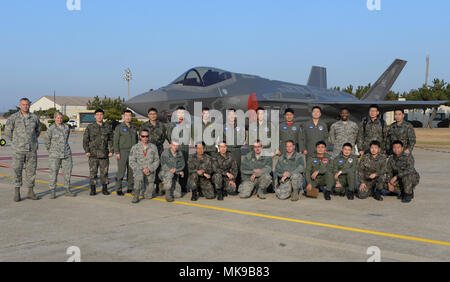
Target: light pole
x=127, y=76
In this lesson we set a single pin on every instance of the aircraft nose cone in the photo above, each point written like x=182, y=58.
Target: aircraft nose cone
x=143, y=102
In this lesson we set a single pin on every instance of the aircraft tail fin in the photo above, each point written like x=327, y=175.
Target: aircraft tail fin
x=318, y=77
x=380, y=89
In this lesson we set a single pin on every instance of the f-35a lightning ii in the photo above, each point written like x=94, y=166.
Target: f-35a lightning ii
x=219, y=89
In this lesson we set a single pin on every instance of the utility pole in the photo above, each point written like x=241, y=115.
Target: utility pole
x=434, y=112
x=128, y=76
x=424, y=125
x=54, y=99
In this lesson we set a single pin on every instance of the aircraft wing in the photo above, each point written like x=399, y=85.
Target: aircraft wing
x=386, y=106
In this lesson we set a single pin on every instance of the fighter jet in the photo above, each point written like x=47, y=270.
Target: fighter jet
x=219, y=89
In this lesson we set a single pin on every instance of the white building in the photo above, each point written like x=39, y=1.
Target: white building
x=68, y=105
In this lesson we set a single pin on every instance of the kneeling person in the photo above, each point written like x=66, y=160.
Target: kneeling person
x=289, y=169
x=344, y=171
x=225, y=172
x=318, y=170
x=144, y=161
x=200, y=173
x=172, y=166
x=372, y=170
x=401, y=174
x=255, y=171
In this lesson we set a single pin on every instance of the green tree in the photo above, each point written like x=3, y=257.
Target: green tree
x=360, y=91
x=113, y=108
x=11, y=112
x=438, y=90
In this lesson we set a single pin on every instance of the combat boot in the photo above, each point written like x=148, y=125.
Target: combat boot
x=161, y=189
x=53, y=194
x=31, y=195
x=105, y=189
x=69, y=193
x=169, y=196
x=136, y=194
x=119, y=188
x=350, y=195
x=326, y=195
x=261, y=194
x=377, y=195
x=407, y=198
x=17, y=194
x=194, y=196
x=294, y=195
x=93, y=191
x=220, y=195
x=224, y=193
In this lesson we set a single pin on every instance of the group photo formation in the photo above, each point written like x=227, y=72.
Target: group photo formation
x=370, y=159
x=225, y=140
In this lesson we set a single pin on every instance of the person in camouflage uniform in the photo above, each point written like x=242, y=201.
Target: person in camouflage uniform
x=23, y=129
x=290, y=130
x=401, y=130
x=157, y=129
x=98, y=146
x=172, y=169
x=200, y=173
x=260, y=130
x=158, y=135
x=183, y=137
x=225, y=172
x=211, y=149
x=372, y=172
x=144, y=161
x=318, y=170
x=314, y=130
x=289, y=170
x=234, y=137
x=344, y=171
x=255, y=170
x=60, y=155
x=372, y=128
x=125, y=137
x=343, y=131
x=401, y=175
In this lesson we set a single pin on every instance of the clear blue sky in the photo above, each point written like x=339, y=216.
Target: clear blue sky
x=45, y=47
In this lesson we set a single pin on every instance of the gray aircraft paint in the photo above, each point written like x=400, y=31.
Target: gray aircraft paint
x=236, y=91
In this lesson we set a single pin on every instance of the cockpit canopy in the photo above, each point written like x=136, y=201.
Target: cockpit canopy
x=202, y=77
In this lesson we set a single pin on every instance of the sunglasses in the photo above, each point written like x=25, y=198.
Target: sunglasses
x=144, y=136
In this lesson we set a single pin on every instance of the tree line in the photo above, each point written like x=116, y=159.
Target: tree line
x=438, y=90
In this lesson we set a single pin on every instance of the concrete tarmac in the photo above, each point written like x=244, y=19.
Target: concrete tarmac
x=110, y=228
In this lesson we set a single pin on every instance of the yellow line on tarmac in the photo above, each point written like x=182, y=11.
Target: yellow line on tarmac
x=417, y=239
